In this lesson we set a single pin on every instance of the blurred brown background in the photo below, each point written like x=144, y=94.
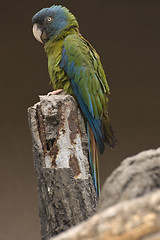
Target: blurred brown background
x=126, y=34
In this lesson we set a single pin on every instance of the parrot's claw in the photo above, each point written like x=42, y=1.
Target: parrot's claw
x=55, y=92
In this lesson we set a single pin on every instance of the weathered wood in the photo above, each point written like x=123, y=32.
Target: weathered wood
x=136, y=219
x=133, y=191
x=129, y=207
x=60, y=148
x=135, y=177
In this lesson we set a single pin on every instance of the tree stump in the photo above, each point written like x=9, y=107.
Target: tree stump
x=129, y=206
x=60, y=148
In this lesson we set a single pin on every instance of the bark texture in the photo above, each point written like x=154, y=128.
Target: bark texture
x=136, y=219
x=60, y=148
x=135, y=177
x=129, y=206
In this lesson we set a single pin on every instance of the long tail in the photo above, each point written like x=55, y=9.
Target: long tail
x=93, y=158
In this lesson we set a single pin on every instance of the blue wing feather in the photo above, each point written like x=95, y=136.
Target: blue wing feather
x=95, y=124
x=79, y=71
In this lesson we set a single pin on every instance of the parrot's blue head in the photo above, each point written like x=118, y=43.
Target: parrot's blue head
x=51, y=22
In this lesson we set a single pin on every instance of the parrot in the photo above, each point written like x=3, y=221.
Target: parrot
x=74, y=67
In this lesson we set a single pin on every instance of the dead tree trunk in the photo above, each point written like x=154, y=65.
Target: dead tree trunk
x=60, y=148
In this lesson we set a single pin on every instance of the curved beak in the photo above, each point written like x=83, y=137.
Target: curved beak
x=37, y=32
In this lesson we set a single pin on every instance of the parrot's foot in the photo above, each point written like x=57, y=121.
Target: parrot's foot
x=55, y=92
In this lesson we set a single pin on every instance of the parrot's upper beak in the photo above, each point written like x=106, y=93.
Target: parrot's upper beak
x=37, y=32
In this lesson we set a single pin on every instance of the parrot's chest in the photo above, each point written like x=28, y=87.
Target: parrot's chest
x=58, y=77
x=56, y=74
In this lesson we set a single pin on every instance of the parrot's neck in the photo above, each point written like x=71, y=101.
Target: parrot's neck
x=59, y=39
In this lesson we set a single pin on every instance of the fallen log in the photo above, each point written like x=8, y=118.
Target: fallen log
x=129, y=207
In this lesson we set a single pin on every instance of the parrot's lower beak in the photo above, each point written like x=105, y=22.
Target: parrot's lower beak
x=37, y=32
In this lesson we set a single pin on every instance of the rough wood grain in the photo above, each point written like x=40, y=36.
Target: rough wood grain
x=129, y=206
x=136, y=219
x=135, y=177
x=60, y=148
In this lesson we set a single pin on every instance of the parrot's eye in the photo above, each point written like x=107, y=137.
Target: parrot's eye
x=49, y=19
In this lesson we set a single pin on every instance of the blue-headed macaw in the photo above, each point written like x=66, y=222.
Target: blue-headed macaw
x=74, y=67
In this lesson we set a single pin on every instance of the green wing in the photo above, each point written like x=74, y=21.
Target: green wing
x=82, y=65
